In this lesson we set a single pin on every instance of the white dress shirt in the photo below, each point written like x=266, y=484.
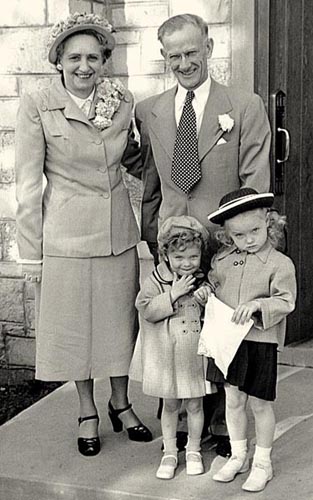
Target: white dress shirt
x=199, y=101
x=83, y=104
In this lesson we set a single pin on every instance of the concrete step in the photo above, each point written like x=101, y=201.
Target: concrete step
x=39, y=458
x=298, y=354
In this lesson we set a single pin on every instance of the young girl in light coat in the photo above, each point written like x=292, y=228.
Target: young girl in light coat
x=170, y=316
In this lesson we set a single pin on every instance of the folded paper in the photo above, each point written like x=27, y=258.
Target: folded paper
x=220, y=337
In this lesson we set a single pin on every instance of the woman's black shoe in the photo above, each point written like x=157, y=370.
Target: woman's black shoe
x=138, y=433
x=88, y=446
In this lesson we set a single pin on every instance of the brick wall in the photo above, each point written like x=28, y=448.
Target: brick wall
x=24, y=67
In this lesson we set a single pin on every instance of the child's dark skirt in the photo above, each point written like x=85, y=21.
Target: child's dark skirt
x=253, y=370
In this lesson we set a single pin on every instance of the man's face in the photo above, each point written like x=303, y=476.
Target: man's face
x=187, y=51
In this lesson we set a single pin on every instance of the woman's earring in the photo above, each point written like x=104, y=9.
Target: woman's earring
x=59, y=67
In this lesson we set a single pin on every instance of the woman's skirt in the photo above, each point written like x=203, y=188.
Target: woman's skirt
x=86, y=321
x=253, y=370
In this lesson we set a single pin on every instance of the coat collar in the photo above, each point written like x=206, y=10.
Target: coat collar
x=60, y=99
x=262, y=254
x=164, y=109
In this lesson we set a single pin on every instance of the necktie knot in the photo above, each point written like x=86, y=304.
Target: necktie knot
x=189, y=96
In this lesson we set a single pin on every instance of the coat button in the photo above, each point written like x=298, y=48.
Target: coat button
x=98, y=141
x=235, y=263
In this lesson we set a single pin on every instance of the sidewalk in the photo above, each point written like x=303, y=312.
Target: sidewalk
x=39, y=459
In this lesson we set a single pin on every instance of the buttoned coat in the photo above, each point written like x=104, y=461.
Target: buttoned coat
x=84, y=210
x=169, y=339
x=229, y=160
x=268, y=276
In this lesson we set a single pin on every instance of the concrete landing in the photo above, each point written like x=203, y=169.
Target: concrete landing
x=39, y=458
x=298, y=354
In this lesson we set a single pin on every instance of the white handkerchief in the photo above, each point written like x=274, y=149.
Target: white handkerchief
x=221, y=141
x=220, y=337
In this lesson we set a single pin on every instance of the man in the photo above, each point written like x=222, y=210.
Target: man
x=232, y=135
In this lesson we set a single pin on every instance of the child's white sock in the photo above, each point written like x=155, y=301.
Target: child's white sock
x=239, y=448
x=262, y=455
x=193, y=444
x=170, y=447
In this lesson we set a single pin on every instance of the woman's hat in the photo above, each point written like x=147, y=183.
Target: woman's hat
x=240, y=201
x=79, y=22
x=176, y=225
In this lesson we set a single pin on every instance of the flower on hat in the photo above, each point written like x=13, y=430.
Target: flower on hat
x=226, y=122
x=110, y=93
x=77, y=19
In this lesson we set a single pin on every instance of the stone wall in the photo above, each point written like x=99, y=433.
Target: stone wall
x=24, y=28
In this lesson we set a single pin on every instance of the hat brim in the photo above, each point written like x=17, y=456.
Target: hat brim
x=52, y=55
x=240, y=205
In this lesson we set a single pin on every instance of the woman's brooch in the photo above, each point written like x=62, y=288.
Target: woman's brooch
x=226, y=122
x=110, y=93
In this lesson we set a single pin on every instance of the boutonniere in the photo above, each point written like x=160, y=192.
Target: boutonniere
x=226, y=122
x=109, y=95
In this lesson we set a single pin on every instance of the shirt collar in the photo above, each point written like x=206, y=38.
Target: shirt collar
x=261, y=254
x=79, y=101
x=201, y=93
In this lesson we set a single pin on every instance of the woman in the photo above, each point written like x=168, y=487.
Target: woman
x=78, y=236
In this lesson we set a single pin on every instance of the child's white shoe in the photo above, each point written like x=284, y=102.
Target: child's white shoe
x=258, y=478
x=167, y=467
x=194, y=464
x=234, y=465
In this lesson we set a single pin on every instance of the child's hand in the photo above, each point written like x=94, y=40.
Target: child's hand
x=243, y=312
x=202, y=294
x=181, y=286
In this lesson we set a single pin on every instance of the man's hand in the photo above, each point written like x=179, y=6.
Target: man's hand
x=32, y=272
x=202, y=294
x=181, y=286
x=243, y=312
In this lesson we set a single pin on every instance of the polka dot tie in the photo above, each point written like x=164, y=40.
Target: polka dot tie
x=186, y=170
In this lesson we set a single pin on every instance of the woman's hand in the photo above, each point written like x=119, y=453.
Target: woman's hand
x=243, y=312
x=32, y=272
x=202, y=294
x=181, y=286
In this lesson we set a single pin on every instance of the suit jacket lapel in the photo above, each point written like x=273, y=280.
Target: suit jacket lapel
x=163, y=123
x=59, y=99
x=218, y=103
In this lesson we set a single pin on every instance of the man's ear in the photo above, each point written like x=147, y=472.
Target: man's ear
x=210, y=46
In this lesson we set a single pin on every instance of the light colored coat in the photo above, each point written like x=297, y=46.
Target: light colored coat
x=268, y=276
x=85, y=209
x=242, y=160
x=169, y=339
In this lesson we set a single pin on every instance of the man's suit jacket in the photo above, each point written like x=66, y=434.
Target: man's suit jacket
x=85, y=209
x=229, y=160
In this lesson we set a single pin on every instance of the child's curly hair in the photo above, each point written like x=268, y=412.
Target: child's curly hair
x=276, y=231
x=180, y=241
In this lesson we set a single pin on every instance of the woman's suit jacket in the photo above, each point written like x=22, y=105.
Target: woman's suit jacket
x=228, y=160
x=85, y=209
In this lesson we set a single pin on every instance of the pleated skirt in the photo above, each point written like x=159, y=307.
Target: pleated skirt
x=86, y=321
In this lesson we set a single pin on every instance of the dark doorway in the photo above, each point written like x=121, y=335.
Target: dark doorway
x=284, y=64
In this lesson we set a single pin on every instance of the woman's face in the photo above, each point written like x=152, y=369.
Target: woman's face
x=82, y=64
